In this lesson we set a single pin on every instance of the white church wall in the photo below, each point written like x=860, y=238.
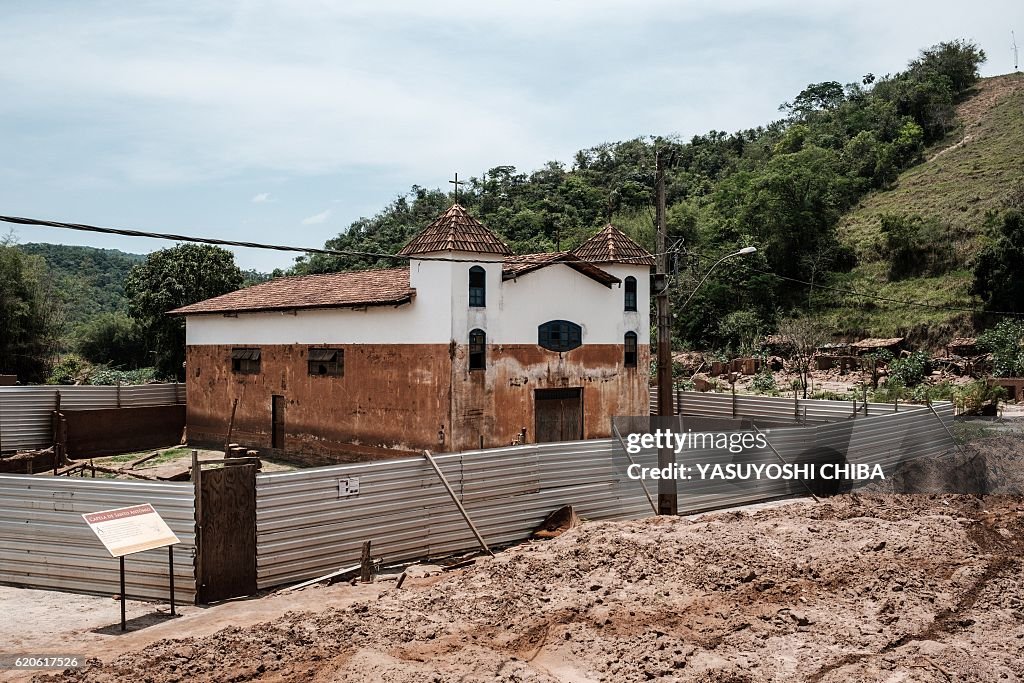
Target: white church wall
x=440, y=311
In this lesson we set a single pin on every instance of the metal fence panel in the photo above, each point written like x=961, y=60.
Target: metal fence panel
x=306, y=527
x=45, y=543
x=811, y=411
x=774, y=408
x=26, y=412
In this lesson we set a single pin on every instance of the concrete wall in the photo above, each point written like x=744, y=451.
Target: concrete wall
x=401, y=397
x=110, y=431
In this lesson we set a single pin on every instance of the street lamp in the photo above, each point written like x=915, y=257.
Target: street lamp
x=742, y=252
x=667, y=492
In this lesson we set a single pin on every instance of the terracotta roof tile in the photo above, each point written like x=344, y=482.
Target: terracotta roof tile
x=332, y=290
x=517, y=266
x=456, y=230
x=614, y=246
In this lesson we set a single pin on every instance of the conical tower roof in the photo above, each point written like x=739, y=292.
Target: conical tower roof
x=613, y=246
x=456, y=230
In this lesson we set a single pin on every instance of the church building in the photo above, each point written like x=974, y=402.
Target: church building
x=467, y=346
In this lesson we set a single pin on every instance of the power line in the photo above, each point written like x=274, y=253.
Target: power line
x=402, y=257
x=276, y=247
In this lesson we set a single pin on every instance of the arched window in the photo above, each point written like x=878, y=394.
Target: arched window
x=477, y=287
x=559, y=335
x=629, y=350
x=477, y=349
x=630, y=293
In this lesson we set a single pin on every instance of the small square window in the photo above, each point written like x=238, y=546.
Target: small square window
x=326, y=362
x=245, y=361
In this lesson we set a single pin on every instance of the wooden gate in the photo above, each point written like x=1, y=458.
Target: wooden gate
x=226, y=529
x=559, y=414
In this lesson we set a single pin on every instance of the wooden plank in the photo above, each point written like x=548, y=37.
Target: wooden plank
x=228, y=538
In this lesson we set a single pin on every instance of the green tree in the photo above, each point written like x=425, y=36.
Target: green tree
x=113, y=339
x=169, y=279
x=955, y=60
x=794, y=204
x=1005, y=342
x=998, y=279
x=815, y=97
x=30, y=314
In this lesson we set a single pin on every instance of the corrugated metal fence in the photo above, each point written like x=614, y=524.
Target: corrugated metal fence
x=305, y=526
x=45, y=543
x=308, y=525
x=772, y=408
x=309, y=522
x=26, y=412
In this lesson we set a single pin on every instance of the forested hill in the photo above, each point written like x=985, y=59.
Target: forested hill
x=921, y=239
x=90, y=281
x=847, y=188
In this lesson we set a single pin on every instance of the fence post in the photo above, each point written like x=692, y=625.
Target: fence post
x=732, y=383
x=197, y=506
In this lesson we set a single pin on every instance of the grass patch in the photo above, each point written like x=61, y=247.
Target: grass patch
x=165, y=456
x=967, y=175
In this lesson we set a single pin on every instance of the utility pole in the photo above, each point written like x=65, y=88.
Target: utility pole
x=667, y=492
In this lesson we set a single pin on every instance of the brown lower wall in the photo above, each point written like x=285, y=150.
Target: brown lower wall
x=403, y=397
x=110, y=431
x=497, y=403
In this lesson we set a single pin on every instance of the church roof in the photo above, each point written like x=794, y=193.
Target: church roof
x=456, y=230
x=517, y=266
x=331, y=290
x=613, y=246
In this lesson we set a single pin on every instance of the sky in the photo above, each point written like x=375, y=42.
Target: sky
x=281, y=121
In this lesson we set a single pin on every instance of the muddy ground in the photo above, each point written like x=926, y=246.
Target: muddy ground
x=856, y=588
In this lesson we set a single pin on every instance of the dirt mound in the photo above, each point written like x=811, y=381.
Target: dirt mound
x=985, y=466
x=857, y=588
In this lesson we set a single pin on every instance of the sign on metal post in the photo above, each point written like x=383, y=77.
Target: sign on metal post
x=130, y=530
x=124, y=531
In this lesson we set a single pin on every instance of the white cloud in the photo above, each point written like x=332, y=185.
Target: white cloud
x=159, y=95
x=261, y=198
x=317, y=218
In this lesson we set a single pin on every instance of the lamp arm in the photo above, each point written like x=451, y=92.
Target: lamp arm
x=695, y=289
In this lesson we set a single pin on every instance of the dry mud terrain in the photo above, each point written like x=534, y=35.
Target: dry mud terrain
x=855, y=588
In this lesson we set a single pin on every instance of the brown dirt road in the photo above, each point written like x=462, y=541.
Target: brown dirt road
x=856, y=588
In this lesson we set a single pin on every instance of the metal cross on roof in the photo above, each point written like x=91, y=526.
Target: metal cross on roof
x=456, y=183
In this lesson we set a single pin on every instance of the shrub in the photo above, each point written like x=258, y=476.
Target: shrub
x=892, y=391
x=764, y=382
x=70, y=369
x=917, y=246
x=972, y=398
x=1005, y=342
x=909, y=371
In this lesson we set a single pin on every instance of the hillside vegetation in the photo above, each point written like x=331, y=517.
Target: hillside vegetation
x=90, y=280
x=890, y=186
x=972, y=174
